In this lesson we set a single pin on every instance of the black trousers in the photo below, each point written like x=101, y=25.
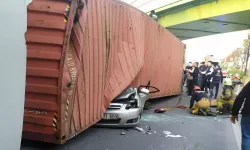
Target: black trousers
x=191, y=85
x=203, y=84
x=184, y=79
x=213, y=85
x=207, y=85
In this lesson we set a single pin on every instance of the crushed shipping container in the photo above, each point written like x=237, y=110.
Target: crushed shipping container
x=81, y=54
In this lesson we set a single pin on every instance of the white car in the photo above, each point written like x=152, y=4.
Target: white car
x=125, y=110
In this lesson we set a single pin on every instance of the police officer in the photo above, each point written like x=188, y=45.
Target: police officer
x=208, y=74
x=202, y=71
x=216, y=79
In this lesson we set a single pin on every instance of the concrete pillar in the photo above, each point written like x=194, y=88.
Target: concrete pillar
x=13, y=71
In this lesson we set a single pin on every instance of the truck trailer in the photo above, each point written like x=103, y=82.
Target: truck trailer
x=81, y=54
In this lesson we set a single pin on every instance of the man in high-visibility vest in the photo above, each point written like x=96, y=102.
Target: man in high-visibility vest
x=226, y=101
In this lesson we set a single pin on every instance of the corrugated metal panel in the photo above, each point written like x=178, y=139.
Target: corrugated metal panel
x=44, y=39
x=163, y=61
x=74, y=72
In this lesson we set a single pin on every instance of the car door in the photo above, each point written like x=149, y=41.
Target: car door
x=144, y=91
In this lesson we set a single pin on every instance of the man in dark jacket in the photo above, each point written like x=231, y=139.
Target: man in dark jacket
x=188, y=67
x=216, y=79
x=243, y=96
x=202, y=72
x=153, y=15
x=208, y=74
x=194, y=73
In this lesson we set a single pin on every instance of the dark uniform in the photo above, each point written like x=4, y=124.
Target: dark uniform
x=216, y=79
x=194, y=81
x=209, y=72
x=185, y=75
x=202, y=70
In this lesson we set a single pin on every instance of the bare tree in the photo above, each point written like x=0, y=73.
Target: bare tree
x=241, y=55
x=246, y=45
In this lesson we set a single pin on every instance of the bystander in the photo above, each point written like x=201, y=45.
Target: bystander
x=243, y=97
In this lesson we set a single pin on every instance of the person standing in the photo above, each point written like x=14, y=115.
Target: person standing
x=208, y=73
x=243, y=96
x=188, y=67
x=153, y=15
x=202, y=71
x=194, y=74
x=216, y=79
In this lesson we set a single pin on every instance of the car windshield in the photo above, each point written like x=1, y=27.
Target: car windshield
x=123, y=95
x=128, y=90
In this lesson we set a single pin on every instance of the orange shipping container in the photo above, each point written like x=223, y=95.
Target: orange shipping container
x=80, y=55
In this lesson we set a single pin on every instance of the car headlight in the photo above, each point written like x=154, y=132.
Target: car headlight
x=131, y=104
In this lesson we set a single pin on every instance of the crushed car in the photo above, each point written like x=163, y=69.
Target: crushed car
x=126, y=109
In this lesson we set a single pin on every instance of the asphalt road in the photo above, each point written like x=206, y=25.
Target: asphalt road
x=194, y=133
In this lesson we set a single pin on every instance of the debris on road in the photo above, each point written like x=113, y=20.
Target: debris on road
x=160, y=110
x=148, y=127
x=139, y=129
x=148, y=132
x=217, y=119
x=169, y=134
x=174, y=136
x=123, y=133
x=182, y=106
x=167, y=108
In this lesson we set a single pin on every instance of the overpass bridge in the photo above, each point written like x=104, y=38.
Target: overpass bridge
x=196, y=18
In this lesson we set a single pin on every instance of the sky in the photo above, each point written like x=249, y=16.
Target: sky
x=148, y=5
x=220, y=45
